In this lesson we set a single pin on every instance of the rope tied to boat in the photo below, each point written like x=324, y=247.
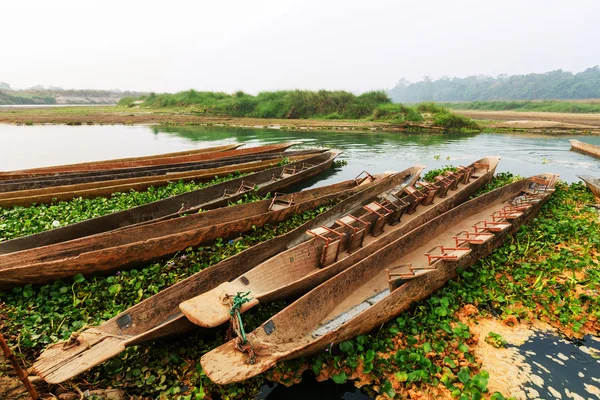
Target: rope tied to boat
x=236, y=326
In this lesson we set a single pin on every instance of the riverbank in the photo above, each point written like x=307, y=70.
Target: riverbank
x=545, y=273
x=489, y=121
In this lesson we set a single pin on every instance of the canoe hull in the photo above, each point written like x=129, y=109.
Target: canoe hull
x=585, y=148
x=592, y=183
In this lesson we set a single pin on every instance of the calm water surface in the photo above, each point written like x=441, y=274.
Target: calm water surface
x=34, y=146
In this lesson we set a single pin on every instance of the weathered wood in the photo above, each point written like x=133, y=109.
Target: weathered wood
x=159, y=316
x=592, y=183
x=157, y=170
x=126, y=248
x=207, y=198
x=358, y=299
x=226, y=151
x=585, y=148
x=293, y=272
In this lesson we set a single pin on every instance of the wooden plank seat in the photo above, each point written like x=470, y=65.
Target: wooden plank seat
x=244, y=187
x=398, y=275
x=455, y=177
x=358, y=229
x=306, y=166
x=480, y=169
x=539, y=186
x=413, y=197
x=443, y=184
x=491, y=226
x=504, y=214
x=380, y=213
x=467, y=172
x=446, y=253
x=331, y=248
x=465, y=237
x=518, y=207
x=363, y=178
x=281, y=201
x=287, y=172
x=429, y=190
x=525, y=201
x=398, y=207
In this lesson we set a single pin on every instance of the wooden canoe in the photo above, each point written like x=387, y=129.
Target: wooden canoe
x=159, y=316
x=11, y=185
x=592, y=183
x=207, y=198
x=585, y=148
x=125, y=248
x=379, y=287
x=148, y=162
x=107, y=188
x=299, y=269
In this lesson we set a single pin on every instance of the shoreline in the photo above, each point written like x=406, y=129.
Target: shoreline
x=490, y=121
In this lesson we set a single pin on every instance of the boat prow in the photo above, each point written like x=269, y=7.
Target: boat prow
x=585, y=148
x=227, y=364
x=592, y=183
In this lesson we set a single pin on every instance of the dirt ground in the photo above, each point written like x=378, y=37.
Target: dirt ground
x=534, y=120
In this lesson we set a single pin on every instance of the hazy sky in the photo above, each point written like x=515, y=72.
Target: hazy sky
x=256, y=45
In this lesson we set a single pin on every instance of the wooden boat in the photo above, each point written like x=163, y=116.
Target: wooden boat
x=211, y=197
x=107, y=188
x=379, y=287
x=11, y=185
x=331, y=249
x=585, y=148
x=147, y=162
x=108, y=164
x=592, y=183
x=159, y=316
x=125, y=248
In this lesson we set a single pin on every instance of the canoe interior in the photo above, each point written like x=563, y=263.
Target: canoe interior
x=159, y=316
x=353, y=237
x=363, y=297
x=207, y=198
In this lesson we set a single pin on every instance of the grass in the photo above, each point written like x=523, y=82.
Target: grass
x=559, y=106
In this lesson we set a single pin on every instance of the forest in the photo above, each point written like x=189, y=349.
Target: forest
x=557, y=84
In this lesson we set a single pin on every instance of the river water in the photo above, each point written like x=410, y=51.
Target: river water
x=41, y=145
x=35, y=146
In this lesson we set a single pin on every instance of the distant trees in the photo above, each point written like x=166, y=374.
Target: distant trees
x=4, y=86
x=557, y=84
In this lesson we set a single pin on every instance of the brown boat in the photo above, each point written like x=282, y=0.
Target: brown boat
x=208, y=198
x=106, y=188
x=379, y=287
x=12, y=185
x=125, y=248
x=331, y=249
x=585, y=148
x=592, y=183
x=116, y=164
x=159, y=316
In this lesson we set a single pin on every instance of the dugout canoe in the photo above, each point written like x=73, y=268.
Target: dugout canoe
x=332, y=249
x=107, y=188
x=379, y=287
x=585, y=148
x=592, y=183
x=108, y=164
x=207, y=198
x=126, y=248
x=148, y=162
x=11, y=185
x=159, y=316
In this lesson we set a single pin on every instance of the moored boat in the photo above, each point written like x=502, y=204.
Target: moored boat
x=331, y=249
x=382, y=285
x=592, y=183
x=159, y=316
x=211, y=197
x=585, y=148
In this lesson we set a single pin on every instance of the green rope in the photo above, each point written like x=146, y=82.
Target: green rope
x=238, y=301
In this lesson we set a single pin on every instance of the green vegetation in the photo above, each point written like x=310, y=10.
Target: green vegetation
x=297, y=104
x=53, y=95
x=550, y=85
x=547, y=271
x=579, y=107
x=25, y=98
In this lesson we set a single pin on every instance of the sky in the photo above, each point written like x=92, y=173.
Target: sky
x=227, y=45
